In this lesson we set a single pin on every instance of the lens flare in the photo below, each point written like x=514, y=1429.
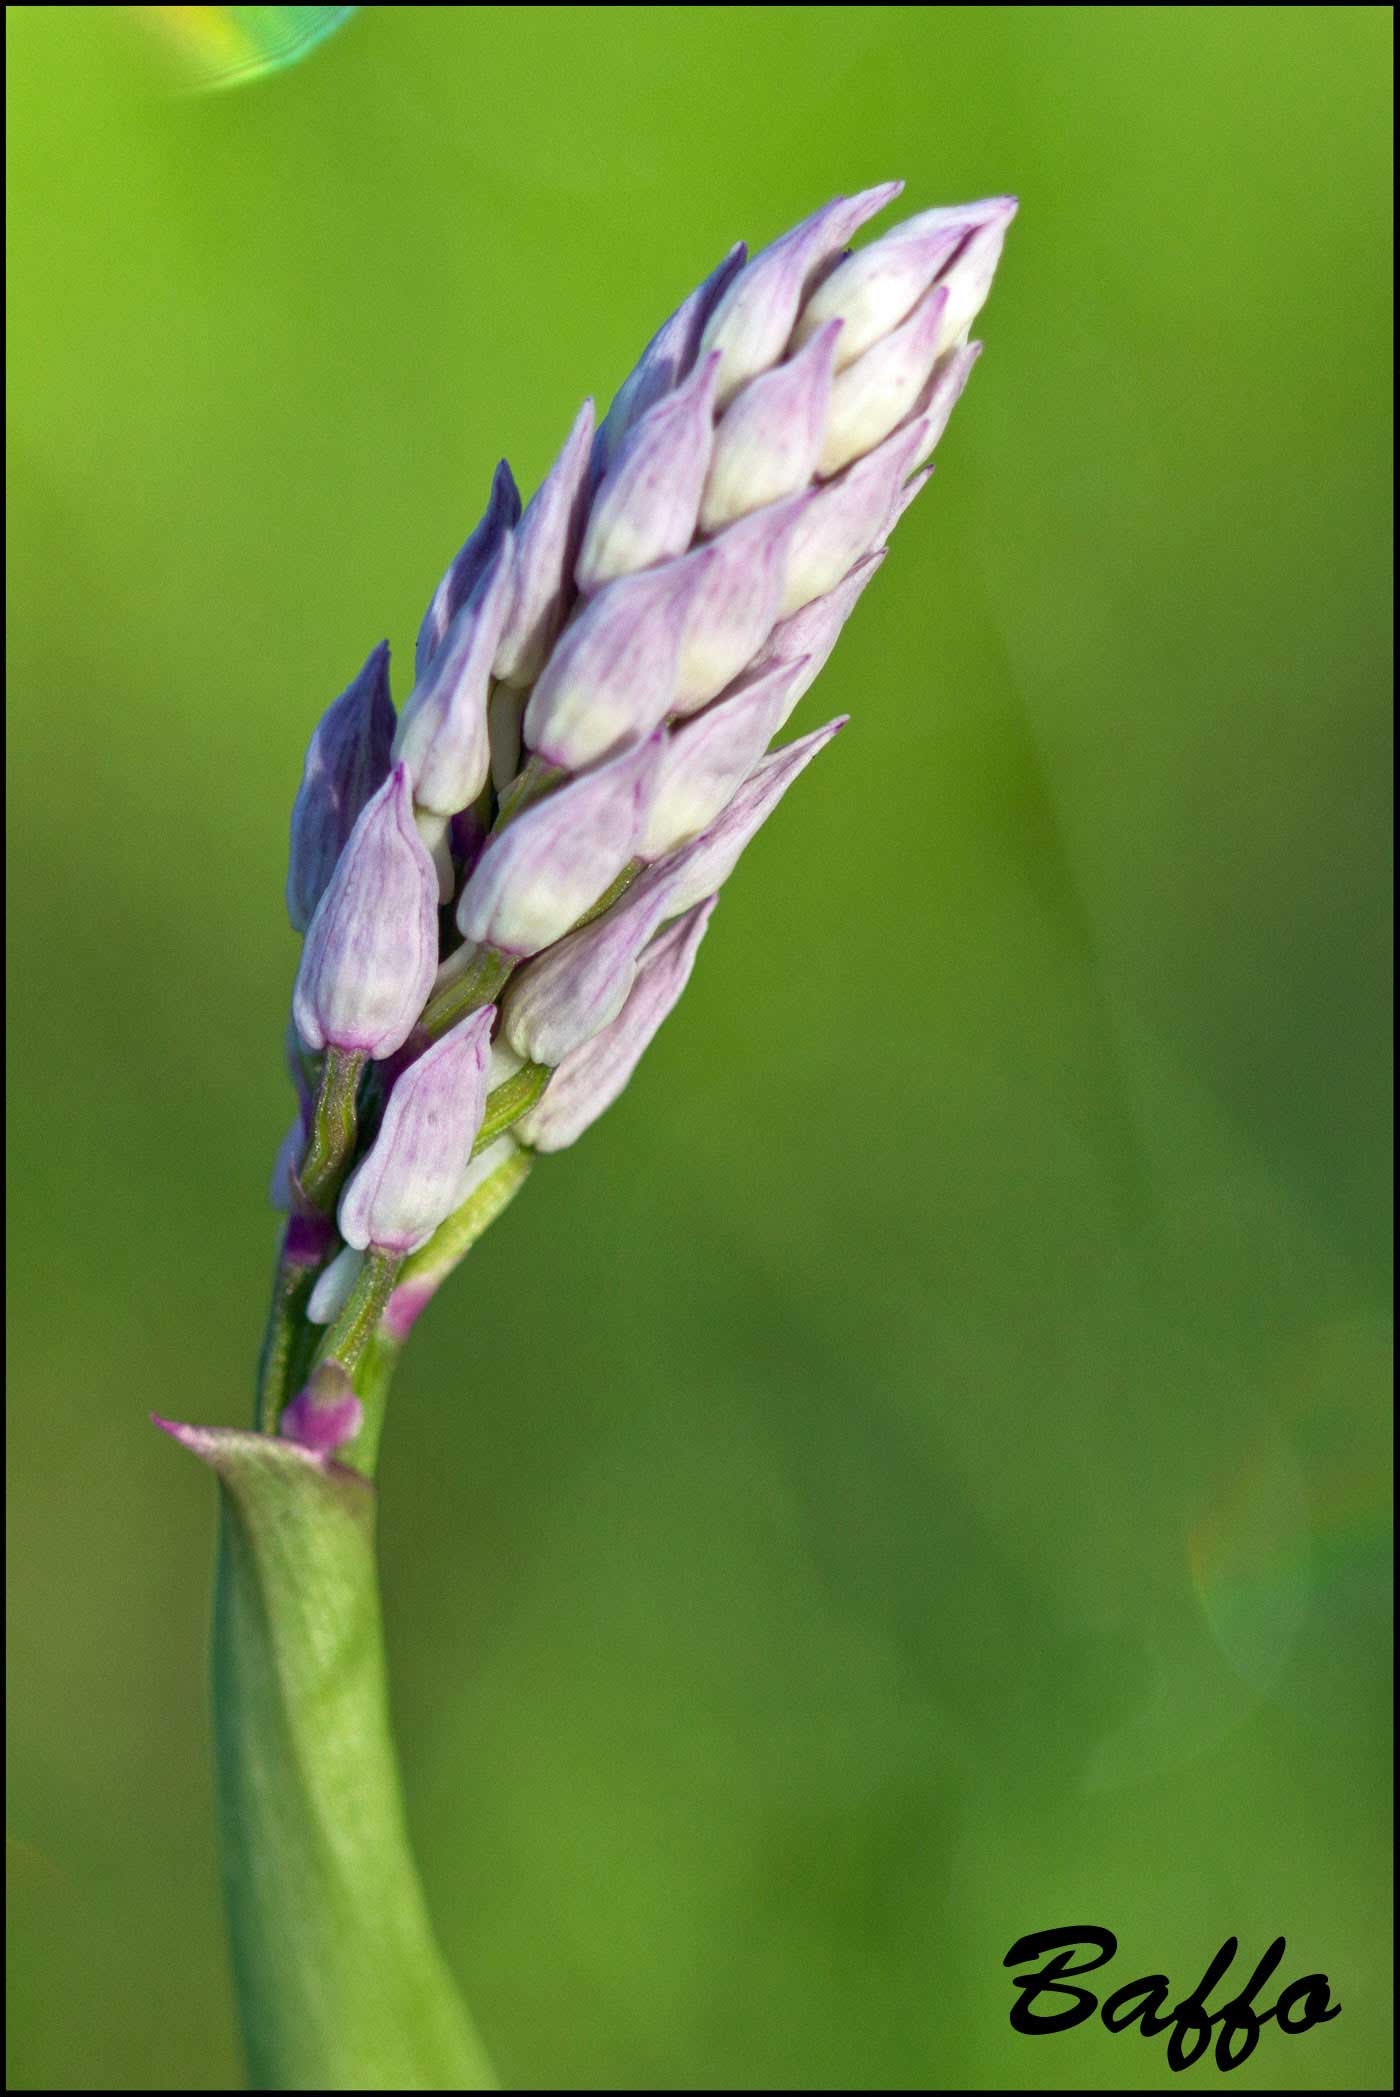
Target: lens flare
x=219, y=47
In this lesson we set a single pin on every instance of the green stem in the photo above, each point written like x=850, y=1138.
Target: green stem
x=509, y=1101
x=347, y=1339
x=483, y=974
x=339, y=1980
x=332, y=1142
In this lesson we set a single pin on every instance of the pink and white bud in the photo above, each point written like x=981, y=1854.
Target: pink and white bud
x=846, y=518
x=346, y=760
x=442, y=735
x=612, y=674
x=755, y=317
x=808, y=637
x=703, y=866
x=733, y=610
x=877, y=287
x=587, y=1082
x=769, y=440
x=565, y=996
x=398, y=1195
x=706, y=759
x=666, y=360
x=872, y=396
x=969, y=275
x=371, y=949
x=501, y=515
x=646, y=507
x=536, y=879
x=546, y=548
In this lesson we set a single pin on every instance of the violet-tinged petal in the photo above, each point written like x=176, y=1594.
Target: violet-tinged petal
x=646, y=508
x=442, y=734
x=546, y=547
x=703, y=866
x=325, y=1415
x=565, y=996
x=873, y=290
x=588, y=1081
x=733, y=610
x=371, y=950
x=612, y=672
x=334, y=1285
x=845, y=519
x=501, y=515
x=753, y=320
x=552, y=863
x=347, y=759
x=666, y=360
x=873, y=395
x=769, y=440
x=969, y=275
x=706, y=759
x=401, y=1191
x=809, y=636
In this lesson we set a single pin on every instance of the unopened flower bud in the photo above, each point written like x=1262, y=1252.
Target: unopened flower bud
x=845, y=519
x=872, y=396
x=371, y=949
x=752, y=322
x=808, y=637
x=646, y=508
x=733, y=610
x=546, y=547
x=969, y=275
x=399, y=1194
x=706, y=759
x=612, y=672
x=589, y=1080
x=873, y=290
x=558, y=1001
x=346, y=760
x=666, y=360
x=550, y=864
x=502, y=514
x=769, y=440
x=703, y=866
x=442, y=734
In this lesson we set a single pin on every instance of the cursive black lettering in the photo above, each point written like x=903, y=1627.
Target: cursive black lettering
x=1048, y=1980
x=1237, y=2024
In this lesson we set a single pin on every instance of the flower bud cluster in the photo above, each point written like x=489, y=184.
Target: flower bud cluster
x=585, y=752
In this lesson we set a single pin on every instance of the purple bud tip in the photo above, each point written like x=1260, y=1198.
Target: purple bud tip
x=326, y=1414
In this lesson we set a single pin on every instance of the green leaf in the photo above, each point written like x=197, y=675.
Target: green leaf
x=340, y=1982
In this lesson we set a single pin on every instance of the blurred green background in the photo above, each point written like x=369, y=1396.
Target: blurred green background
x=915, y=1474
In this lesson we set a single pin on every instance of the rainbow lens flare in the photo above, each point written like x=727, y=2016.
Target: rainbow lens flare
x=219, y=47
